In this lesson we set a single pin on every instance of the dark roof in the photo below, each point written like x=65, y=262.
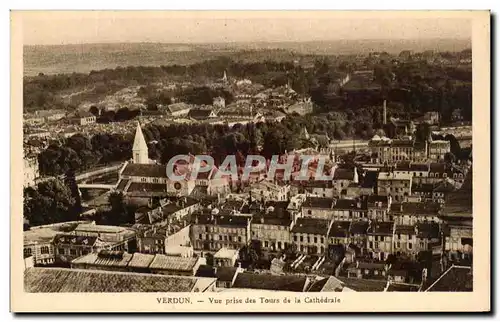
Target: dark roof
x=428, y=230
x=145, y=170
x=314, y=226
x=199, y=113
x=225, y=274
x=359, y=227
x=205, y=271
x=373, y=200
x=370, y=179
x=381, y=228
x=421, y=208
x=318, y=184
x=122, y=184
x=363, y=285
x=343, y=174
x=437, y=167
x=402, y=143
x=277, y=218
x=221, y=220
x=290, y=283
x=422, y=187
x=423, y=167
x=57, y=280
x=405, y=229
x=318, y=202
x=317, y=286
x=349, y=204
x=455, y=279
x=339, y=229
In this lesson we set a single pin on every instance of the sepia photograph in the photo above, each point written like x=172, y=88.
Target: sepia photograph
x=272, y=161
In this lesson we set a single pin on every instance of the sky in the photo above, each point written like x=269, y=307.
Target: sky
x=59, y=27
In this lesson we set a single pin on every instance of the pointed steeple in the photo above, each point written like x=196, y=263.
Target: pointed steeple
x=356, y=178
x=140, y=148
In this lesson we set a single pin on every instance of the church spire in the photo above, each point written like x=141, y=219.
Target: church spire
x=140, y=148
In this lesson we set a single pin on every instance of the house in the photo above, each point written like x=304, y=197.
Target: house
x=199, y=114
x=38, y=243
x=350, y=209
x=310, y=235
x=358, y=234
x=226, y=276
x=269, y=191
x=174, y=265
x=318, y=207
x=289, y=283
x=342, y=178
x=178, y=109
x=405, y=240
x=211, y=231
x=438, y=149
x=429, y=237
x=367, y=270
x=410, y=213
x=226, y=257
x=378, y=207
x=339, y=233
x=320, y=188
x=418, y=171
x=103, y=260
x=56, y=280
x=379, y=239
x=390, y=151
x=272, y=226
x=83, y=118
x=151, y=240
x=117, y=237
x=68, y=247
x=397, y=186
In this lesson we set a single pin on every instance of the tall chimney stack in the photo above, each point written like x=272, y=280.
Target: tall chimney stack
x=385, y=113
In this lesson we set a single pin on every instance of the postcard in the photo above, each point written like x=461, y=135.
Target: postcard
x=250, y=161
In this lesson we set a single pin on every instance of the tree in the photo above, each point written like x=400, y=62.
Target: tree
x=450, y=158
x=70, y=182
x=119, y=213
x=94, y=110
x=50, y=202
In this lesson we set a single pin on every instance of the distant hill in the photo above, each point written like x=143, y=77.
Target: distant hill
x=87, y=57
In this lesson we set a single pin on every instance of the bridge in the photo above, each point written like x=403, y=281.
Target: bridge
x=95, y=186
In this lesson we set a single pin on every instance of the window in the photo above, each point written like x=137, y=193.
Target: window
x=225, y=237
x=444, y=175
x=220, y=237
x=266, y=244
x=301, y=238
x=460, y=176
x=309, y=212
x=85, y=252
x=315, y=240
x=409, y=245
x=143, y=179
x=231, y=238
x=376, y=244
x=44, y=249
x=295, y=238
x=367, y=272
x=279, y=245
x=72, y=252
x=398, y=245
x=371, y=245
x=27, y=251
x=239, y=239
x=308, y=239
x=200, y=236
x=61, y=251
x=375, y=272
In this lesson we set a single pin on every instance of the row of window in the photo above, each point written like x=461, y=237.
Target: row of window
x=216, y=229
x=309, y=239
x=220, y=237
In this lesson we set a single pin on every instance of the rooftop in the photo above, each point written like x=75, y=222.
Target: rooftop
x=54, y=280
x=226, y=253
x=313, y=226
x=362, y=285
x=173, y=263
x=145, y=170
x=290, y=283
x=340, y=229
x=455, y=279
x=318, y=202
x=381, y=228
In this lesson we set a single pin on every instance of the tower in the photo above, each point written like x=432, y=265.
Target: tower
x=385, y=113
x=224, y=78
x=140, y=148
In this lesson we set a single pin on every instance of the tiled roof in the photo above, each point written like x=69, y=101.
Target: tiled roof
x=405, y=229
x=428, y=230
x=359, y=227
x=105, y=258
x=147, y=188
x=381, y=228
x=173, y=263
x=349, y=204
x=314, y=226
x=122, y=184
x=290, y=283
x=53, y=280
x=421, y=208
x=145, y=170
x=339, y=229
x=140, y=260
x=318, y=202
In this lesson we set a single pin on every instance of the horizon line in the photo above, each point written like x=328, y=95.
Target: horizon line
x=246, y=41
